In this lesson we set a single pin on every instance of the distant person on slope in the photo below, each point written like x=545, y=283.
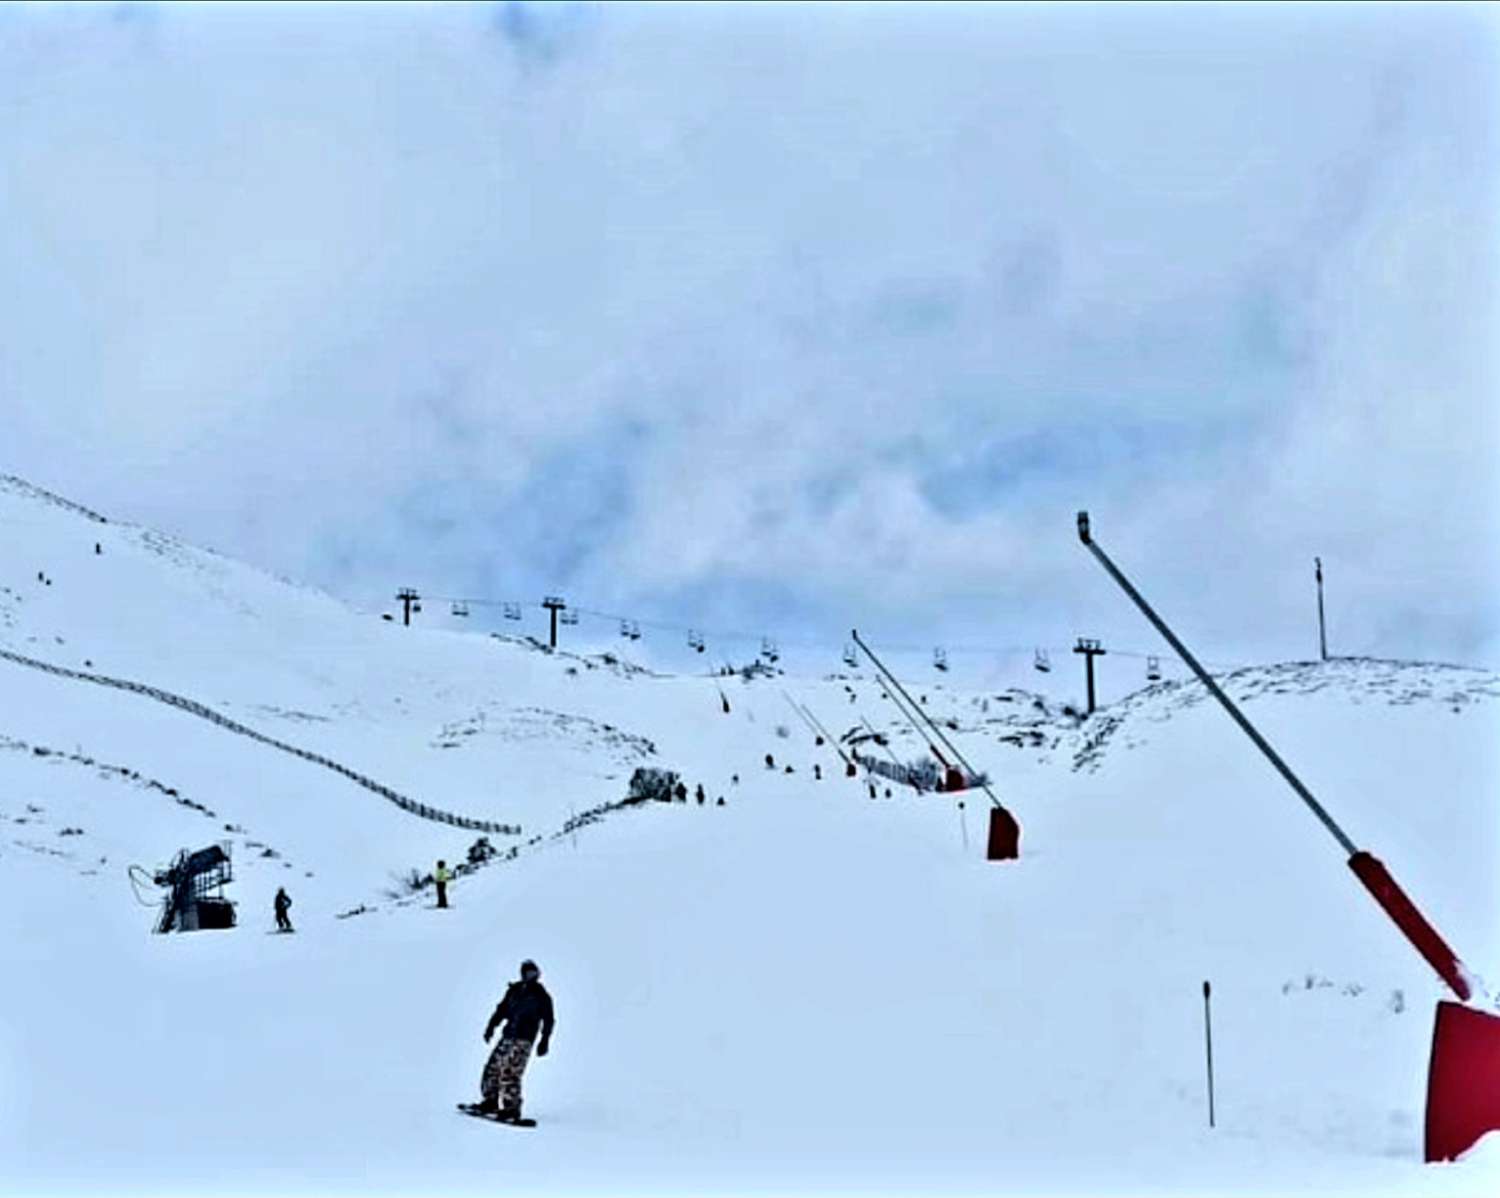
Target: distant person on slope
x=442, y=876
x=525, y=1010
x=283, y=904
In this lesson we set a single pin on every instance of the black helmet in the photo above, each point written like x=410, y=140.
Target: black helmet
x=531, y=967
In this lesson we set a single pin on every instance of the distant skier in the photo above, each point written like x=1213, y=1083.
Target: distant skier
x=442, y=877
x=698, y=794
x=681, y=792
x=770, y=762
x=283, y=904
x=525, y=1010
x=817, y=772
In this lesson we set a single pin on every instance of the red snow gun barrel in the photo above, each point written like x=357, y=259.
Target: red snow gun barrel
x=1463, y=1091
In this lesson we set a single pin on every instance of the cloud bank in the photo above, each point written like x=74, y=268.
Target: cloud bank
x=779, y=317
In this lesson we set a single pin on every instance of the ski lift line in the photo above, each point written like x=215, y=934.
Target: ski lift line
x=811, y=643
x=959, y=757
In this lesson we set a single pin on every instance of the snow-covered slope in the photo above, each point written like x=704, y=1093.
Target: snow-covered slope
x=802, y=989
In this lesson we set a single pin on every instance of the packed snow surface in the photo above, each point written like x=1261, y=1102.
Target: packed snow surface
x=805, y=989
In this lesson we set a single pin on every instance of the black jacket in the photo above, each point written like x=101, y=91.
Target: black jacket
x=525, y=1007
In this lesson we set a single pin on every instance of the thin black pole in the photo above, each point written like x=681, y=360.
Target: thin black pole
x=1322, y=632
x=1208, y=1040
x=1246, y=726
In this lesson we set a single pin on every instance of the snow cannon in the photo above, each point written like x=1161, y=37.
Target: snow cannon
x=194, y=883
x=1463, y=1075
x=1004, y=843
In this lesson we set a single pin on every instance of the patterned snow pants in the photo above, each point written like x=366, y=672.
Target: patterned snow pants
x=502, y=1072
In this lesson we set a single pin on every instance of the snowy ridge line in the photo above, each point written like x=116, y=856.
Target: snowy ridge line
x=11, y=483
x=207, y=713
x=1393, y=682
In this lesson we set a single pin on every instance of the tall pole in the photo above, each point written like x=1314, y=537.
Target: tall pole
x=407, y=598
x=1090, y=650
x=1322, y=633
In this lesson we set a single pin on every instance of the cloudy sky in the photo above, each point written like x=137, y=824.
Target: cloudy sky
x=779, y=318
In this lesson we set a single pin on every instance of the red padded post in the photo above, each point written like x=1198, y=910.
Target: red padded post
x=1413, y=924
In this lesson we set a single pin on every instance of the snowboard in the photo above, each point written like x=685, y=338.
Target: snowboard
x=469, y=1108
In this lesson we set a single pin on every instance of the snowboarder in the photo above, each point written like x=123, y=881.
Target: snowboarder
x=525, y=1010
x=283, y=904
x=720, y=803
x=817, y=772
x=442, y=877
x=770, y=762
x=698, y=794
x=735, y=779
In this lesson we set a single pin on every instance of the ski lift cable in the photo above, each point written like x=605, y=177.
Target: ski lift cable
x=820, y=644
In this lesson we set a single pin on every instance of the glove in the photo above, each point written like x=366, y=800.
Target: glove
x=541, y=1049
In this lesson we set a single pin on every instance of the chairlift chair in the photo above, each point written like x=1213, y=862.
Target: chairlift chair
x=1153, y=670
x=1041, y=663
x=460, y=609
x=695, y=640
x=940, y=659
x=568, y=616
x=851, y=658
x=512, y=611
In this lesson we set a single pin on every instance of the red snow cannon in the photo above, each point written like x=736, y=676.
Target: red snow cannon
x=1463, y=1077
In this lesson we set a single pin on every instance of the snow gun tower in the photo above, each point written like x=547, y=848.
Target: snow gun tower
x=957, y=774
x=194, y=883
x=1463, y=1075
